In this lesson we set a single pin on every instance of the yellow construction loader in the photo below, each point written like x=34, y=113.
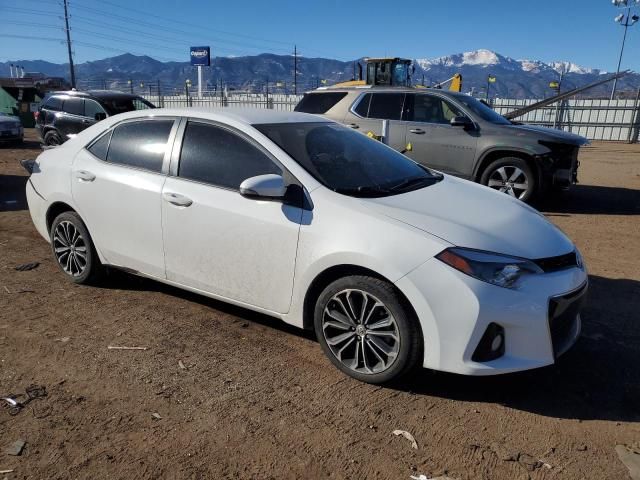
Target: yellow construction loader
x=393, y=72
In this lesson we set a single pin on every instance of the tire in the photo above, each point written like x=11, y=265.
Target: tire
x=70, y=242
x=52, y=138
x=391, y=350
x=499, y=175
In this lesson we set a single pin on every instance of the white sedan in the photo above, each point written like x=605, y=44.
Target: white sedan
x=395, y=266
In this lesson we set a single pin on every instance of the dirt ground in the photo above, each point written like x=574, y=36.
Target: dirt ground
x=258, y=399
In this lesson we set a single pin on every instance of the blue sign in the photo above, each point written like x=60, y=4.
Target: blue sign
x=200, y=56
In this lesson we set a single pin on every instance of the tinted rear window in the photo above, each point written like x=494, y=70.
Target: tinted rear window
x=140, y=144
x=319, y=102
x=386, y=106
x=74, y=106
x=101, y=146
x=53, y=103
x=362, y=108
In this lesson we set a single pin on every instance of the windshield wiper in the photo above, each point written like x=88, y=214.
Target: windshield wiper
x=364, y=191
x=411, y=182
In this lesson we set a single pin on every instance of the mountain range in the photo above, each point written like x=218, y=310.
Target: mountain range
x=514, y=78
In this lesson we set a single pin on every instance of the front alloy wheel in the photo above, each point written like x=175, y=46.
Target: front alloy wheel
x=513, y=176
x=361, y=331
x=367, y=329
x=510, y=180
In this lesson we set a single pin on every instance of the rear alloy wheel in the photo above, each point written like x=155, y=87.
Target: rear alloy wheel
x=52, y=139
x=73, y=249
x=366, y=330
x=512, y=176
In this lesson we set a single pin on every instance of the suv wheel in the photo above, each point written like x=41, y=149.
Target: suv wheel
x=367, y=330
x=52, y=138
x=73, y=249
x=511, y=175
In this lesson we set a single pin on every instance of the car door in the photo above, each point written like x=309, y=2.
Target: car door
x=117, y=184
x=216, y=240
x=71, y=120
x=435, y=142
x=368, y=111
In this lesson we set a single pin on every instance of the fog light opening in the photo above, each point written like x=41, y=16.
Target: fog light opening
x=491, y=345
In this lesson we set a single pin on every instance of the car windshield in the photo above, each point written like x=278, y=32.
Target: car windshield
x=349, y=162
x=121, y=105
x=482, y=110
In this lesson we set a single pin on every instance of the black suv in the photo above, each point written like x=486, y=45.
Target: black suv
x=62, y=115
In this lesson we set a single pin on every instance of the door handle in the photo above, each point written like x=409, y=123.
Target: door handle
x=355, y=126
x=177, y=199
x=85, y=176
x=417, y=131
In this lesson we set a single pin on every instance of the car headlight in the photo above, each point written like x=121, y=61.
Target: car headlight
x=497, y=269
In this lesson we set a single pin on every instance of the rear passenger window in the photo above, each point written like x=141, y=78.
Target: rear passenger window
x=220, y=157
x=53, y=103
x=140, y=144
x=100, y=147
x=92, y=107
x=362, y=108
x=74, y=106
x=386, y=106
x=319, y=102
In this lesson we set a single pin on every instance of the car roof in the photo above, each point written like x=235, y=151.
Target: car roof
x=98, y=94
x=369, y=89
x=250, y=116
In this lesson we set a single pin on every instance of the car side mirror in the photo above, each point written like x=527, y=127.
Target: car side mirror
x=100, y=116
x=461, y=121
x=265, y=187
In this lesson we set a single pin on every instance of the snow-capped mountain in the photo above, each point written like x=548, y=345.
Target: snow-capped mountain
x=514, y=78
x=489, y=59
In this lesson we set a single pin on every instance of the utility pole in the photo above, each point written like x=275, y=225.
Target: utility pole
x=295, y=70
x=66, y=23
x=626, y=21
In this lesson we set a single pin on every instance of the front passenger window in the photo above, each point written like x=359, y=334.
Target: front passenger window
x=220, y=157
x=429, y=109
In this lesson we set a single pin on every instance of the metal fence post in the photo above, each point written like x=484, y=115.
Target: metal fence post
x=632, y=137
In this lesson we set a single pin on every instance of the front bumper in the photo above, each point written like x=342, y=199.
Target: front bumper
x=560, y=166
x=455, y=311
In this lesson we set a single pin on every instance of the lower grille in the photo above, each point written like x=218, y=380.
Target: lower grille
x=564, y=314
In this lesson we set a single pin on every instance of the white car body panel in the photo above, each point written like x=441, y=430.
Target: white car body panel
x=259, y=240
x=121, y=209
x=265, y=255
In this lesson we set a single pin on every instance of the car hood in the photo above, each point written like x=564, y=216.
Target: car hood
x=548, y=134
x=469, y=215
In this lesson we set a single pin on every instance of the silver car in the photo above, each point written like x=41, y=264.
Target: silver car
x=456, y=134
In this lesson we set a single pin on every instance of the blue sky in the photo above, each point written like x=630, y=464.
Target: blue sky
x=581, y=31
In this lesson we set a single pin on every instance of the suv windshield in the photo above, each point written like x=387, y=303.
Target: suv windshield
x=348, y=162
x=121, y=105
x=480, y=109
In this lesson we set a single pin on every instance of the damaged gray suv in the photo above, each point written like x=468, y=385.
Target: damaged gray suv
x=456, y=134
